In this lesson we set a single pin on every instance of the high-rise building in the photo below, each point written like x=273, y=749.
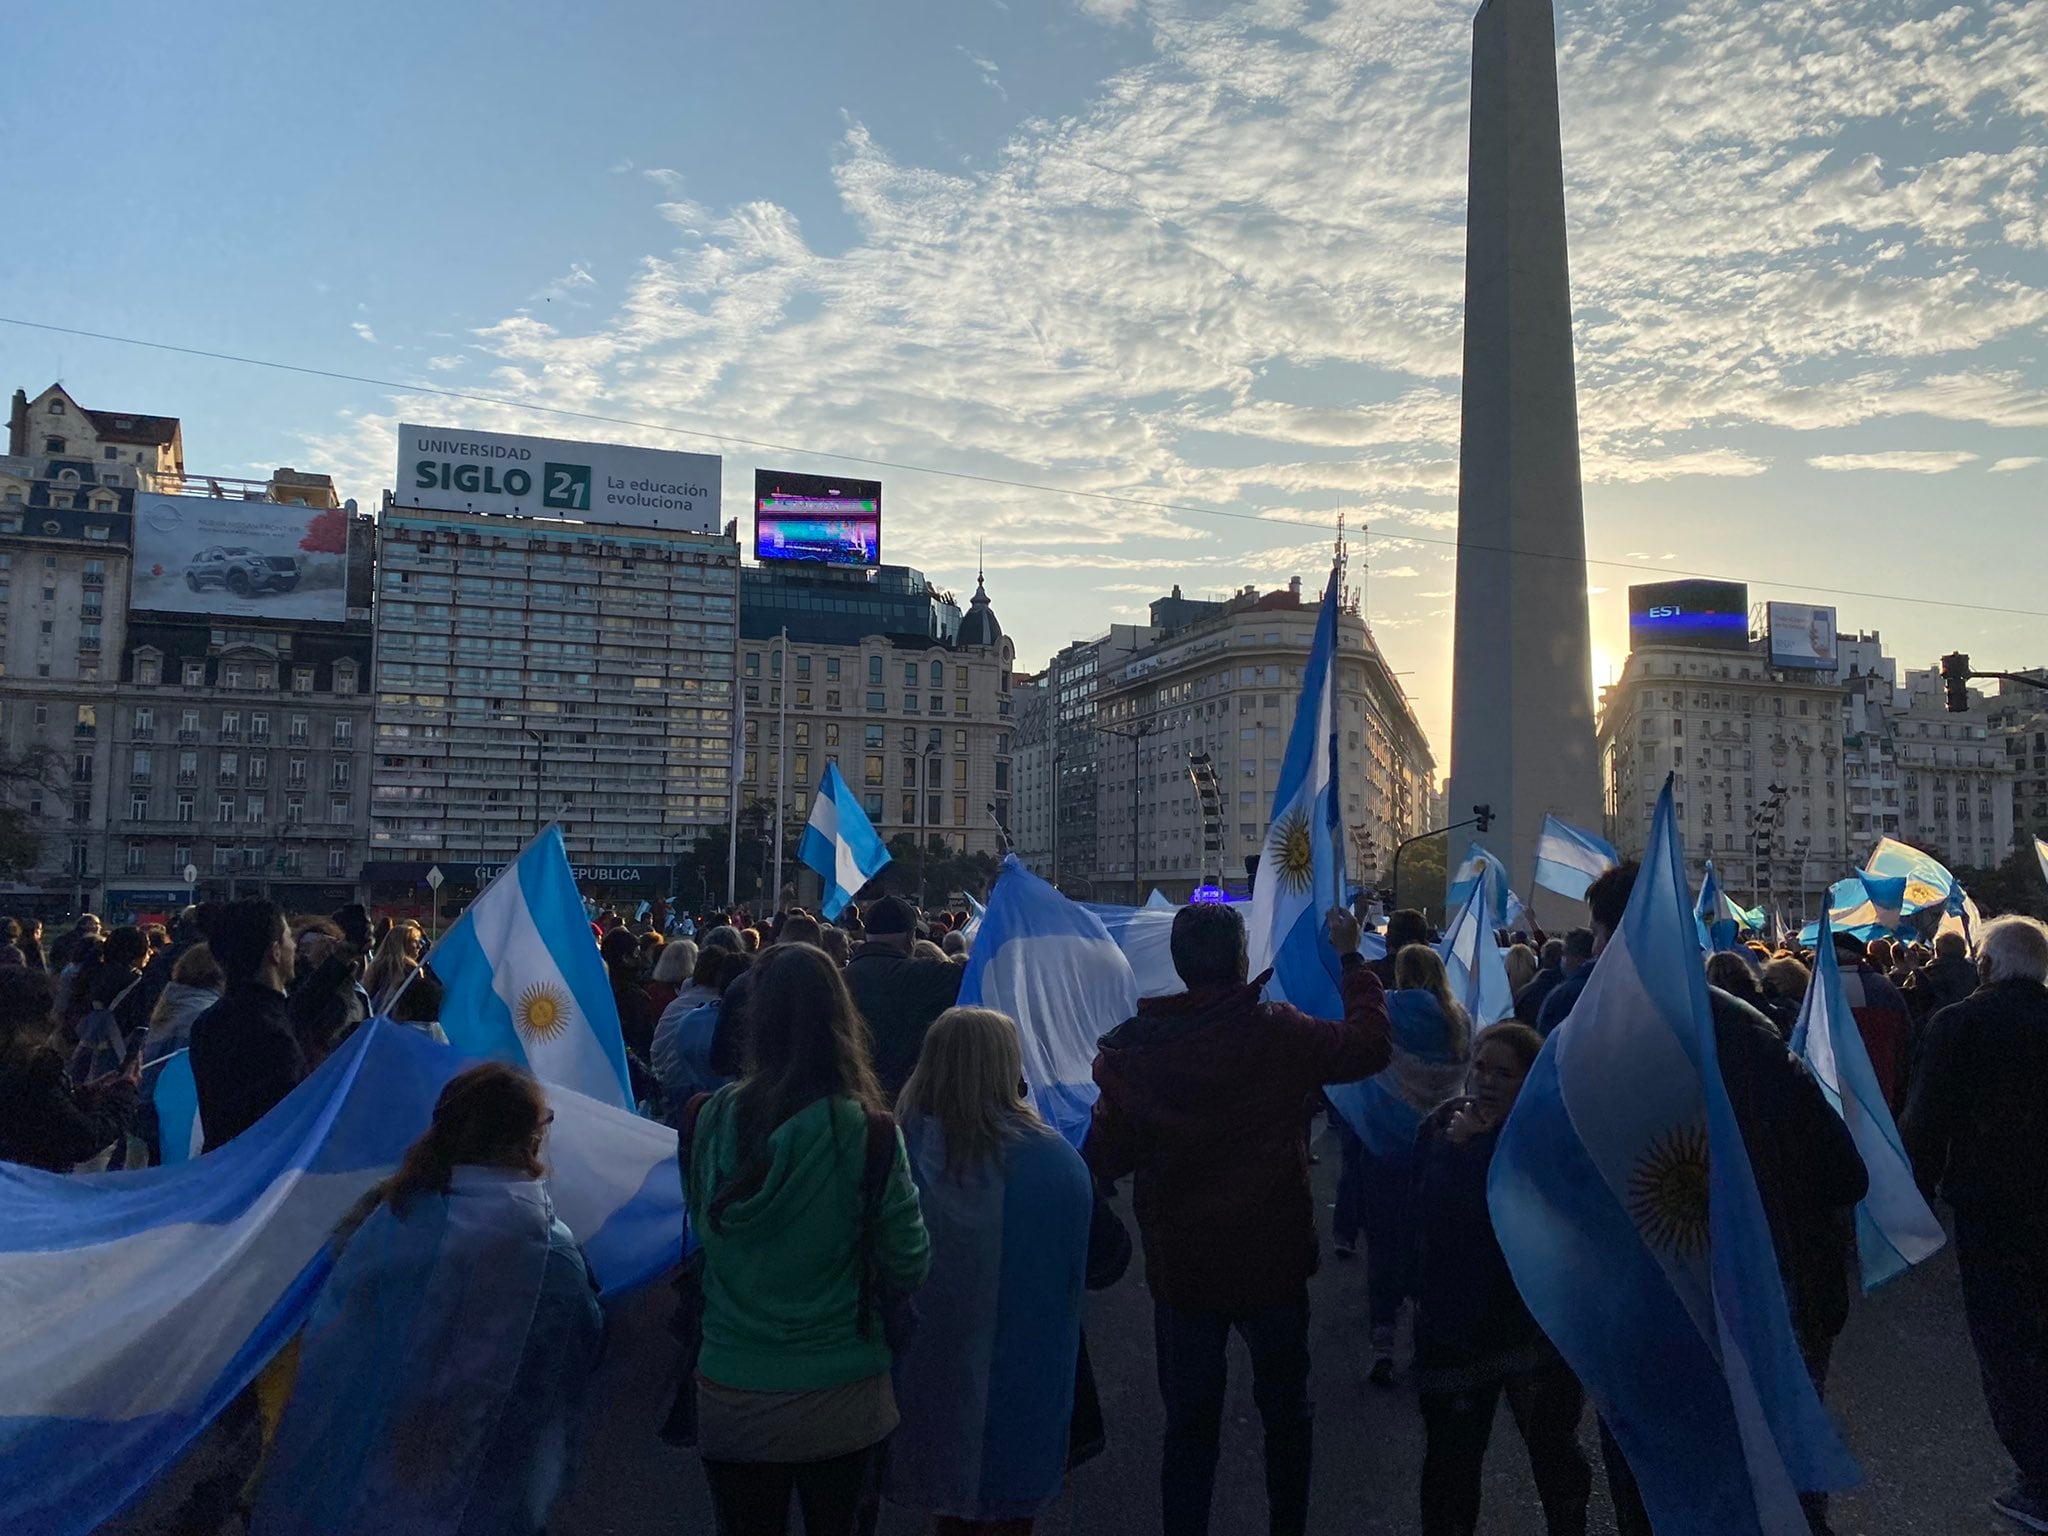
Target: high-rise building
x=1079, y=749
x=2018, y=717
x=1031, y=761
x=1222, y=687
x=533, y=670
x=1522, y=737
x=878, y=671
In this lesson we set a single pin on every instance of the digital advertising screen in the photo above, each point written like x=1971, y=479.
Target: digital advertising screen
x=819, y=518
x=1802, y=637
x=1700, y=615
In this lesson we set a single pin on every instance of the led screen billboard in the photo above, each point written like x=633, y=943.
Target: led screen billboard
x=239, y=559
x=458, y=470
x=1802, y=637
x=1701, y=615
x=819, y=518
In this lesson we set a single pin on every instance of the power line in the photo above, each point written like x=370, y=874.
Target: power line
x=1113, y=497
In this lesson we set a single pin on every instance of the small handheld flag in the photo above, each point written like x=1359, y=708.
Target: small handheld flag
x=840, y=843
x=1568, y=859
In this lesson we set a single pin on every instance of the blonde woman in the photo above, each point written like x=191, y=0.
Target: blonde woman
x=986, y=1389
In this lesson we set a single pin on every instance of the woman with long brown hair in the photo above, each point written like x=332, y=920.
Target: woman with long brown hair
x=445, y=1364
x=800, y=1193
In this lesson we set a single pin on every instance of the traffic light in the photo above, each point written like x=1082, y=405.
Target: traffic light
x=1955, y=677
x=1483, y=814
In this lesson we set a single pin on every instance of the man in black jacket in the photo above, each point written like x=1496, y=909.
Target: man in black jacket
x=897, y=995
x=1974, y=1127
x=245, y=1056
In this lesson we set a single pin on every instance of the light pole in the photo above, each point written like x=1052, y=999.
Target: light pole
x=1135, y=736
x=924, y=836
x=1057, y=759
x=539, y=753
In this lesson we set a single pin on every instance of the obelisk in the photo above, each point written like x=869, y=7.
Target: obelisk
x=1522, y=683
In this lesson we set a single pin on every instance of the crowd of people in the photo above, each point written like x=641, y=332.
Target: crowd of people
x=884, y=1300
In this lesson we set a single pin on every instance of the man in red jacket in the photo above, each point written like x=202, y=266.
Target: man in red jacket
x=1204, y=1098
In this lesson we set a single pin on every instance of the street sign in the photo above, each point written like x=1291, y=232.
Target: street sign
x=191, y=873
x=434, y=878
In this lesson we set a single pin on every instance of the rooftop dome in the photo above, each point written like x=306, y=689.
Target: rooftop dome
x=979, y=627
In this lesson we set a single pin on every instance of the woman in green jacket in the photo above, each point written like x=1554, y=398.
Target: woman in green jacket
x=801, y=1196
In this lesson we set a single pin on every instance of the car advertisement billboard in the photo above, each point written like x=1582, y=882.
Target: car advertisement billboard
x=1802, y=637
x=457, y=470
x=239, y=559
x=1700, y=615
x=819, y=518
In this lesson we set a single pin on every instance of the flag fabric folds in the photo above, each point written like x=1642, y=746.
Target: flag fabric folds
x=142, y=1302
x=1146, y=938
x=1928, y=881
x=1472, y=960
x=1894, y=1227
x=2041, y=853
x=1869, y=906
x=1051, y=966
x=525, y=983
x=840, y=843
x=1482, y=872
x=1301, y=869
x=1624, y=1202
x=1569, y=859
x=176, y=1097
x=1717, y=928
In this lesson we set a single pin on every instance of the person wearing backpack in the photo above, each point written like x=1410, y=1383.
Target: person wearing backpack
x=812, y=1242
x=118, y=1013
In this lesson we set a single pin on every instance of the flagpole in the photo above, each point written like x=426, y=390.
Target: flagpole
x=781, y=752
x=1336, y=725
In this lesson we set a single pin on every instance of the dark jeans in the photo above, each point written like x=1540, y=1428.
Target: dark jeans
x=751, y=1498
x=1388, y=1208
x=2004, y=1269
x=1192, y=1348
x=1631, y=1519
x=1546, y=1403
x=1348, y=1220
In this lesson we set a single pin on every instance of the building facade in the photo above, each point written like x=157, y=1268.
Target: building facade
x=1032, y=767
x=1224, y=684
x=1079, y=750
x=920, y=718
x=531, y=670
x=2018, y=717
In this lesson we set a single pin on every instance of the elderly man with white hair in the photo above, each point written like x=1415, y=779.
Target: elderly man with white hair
x=1977, y=1129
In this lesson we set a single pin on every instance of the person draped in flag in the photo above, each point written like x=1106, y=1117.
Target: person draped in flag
x=444, y=1370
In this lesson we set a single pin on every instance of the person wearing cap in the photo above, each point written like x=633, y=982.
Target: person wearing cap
x=899, y=996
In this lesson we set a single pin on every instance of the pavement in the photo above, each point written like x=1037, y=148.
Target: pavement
x=1904, y=1389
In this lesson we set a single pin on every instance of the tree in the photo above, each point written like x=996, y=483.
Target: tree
x=327, y=534
x=1425, y=874
x=2014, y=885
x=946, y=871
x=21, y=837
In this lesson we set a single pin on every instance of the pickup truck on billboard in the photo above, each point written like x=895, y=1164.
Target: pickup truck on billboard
x=241, y=571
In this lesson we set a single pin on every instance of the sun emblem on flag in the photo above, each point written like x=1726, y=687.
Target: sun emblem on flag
x=1667, y=1192
x=1293, y=852
x=542, y=1013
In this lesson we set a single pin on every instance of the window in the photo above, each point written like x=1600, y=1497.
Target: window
x=231, y=725
x=188, y=767
x=832, y=733
x=344, y=677
x=145, y=763
x=342, y=768
x=137, y=856
x=294, y=810
x=295, y=769
x=832, y=668
x=910, y=772
x=138, y=808
x=909, y=809
x=939, y=674
x=302, y=680
x=224, y=809
x=337, y=863
x=875, y=671
x=231, y=674
x=344, y=733
x=194, y=674
x=230, y=767
x=87, y=724
x=803, y=666
x=297, y=730
x=337, y=808
x=53, y=445
x=871, y=770
x=56, y=408
x=259, y=727
x=259, y=767
x=255, y=808
x=147, y=671
x=873, y=736
x=910, y=674
x=831, y=698
x=872, y=804
x=753, y=667
x=803, y=769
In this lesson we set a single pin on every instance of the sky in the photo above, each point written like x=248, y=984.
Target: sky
x=1189, y=274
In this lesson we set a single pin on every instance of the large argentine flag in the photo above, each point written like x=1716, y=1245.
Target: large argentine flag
x=1481, y=871
x=1928, y=881
x=1050, y=965
x=1624, y=1202
x=138, y=1304
x=840, y=843
x=526, y=984
x=1894, y=1227
x=1301, y=870
x=1568, y=859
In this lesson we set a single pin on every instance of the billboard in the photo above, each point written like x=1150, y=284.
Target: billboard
x=820, y=518
x=1702, y=615
x=1802, y=637
x=239, y=559
x=456, y=470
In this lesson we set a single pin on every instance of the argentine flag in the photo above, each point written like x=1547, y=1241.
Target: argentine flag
x=840, y=843
x=141, y=1303
x=1052, y=967
x=1624, y=1202
x=1301, y=869
x=1568, y=859
x=1894, y=1227
x=1928, y=881
x=1503, y=907
x=1473, y=966
x=1869, y=906
x=1713, y=914
x=525, y=982
x=2041, y=853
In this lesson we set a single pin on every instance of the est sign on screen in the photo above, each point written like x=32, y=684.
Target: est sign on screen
x=457, y=470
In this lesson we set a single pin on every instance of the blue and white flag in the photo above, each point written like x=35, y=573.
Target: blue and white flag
x=141, y=1303
x=1928, y=881
x=1473, y=966
x=525, y=982
x=1894, y=1227
x=1050, y=965
x=1481, y=871
x=176, y=1096
x=1625, y=1205
x=840, y=843
x=1711, y=915
x=1569, y=859
x=2041, y=853
x=1781, y=931
x=975, y=912
x=1868, y=906
x=1301, y=870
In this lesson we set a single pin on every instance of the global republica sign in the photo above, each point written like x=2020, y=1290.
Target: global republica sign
x=453, y=469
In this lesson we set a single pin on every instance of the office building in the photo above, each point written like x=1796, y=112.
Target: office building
x=1031, y=760
x=1072, y=679
x=1223, y=684
x=533, y=670
x=881, y=673
x=2018, y=717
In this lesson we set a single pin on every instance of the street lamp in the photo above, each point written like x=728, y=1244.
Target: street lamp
x=1145, y=727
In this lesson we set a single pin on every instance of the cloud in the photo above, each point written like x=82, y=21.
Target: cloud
x=446, y=362
x=2007, y=466
x=1114, y=12
x=570, y=287
x=363, y=330
x=1908, y=461
x=990, y=75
